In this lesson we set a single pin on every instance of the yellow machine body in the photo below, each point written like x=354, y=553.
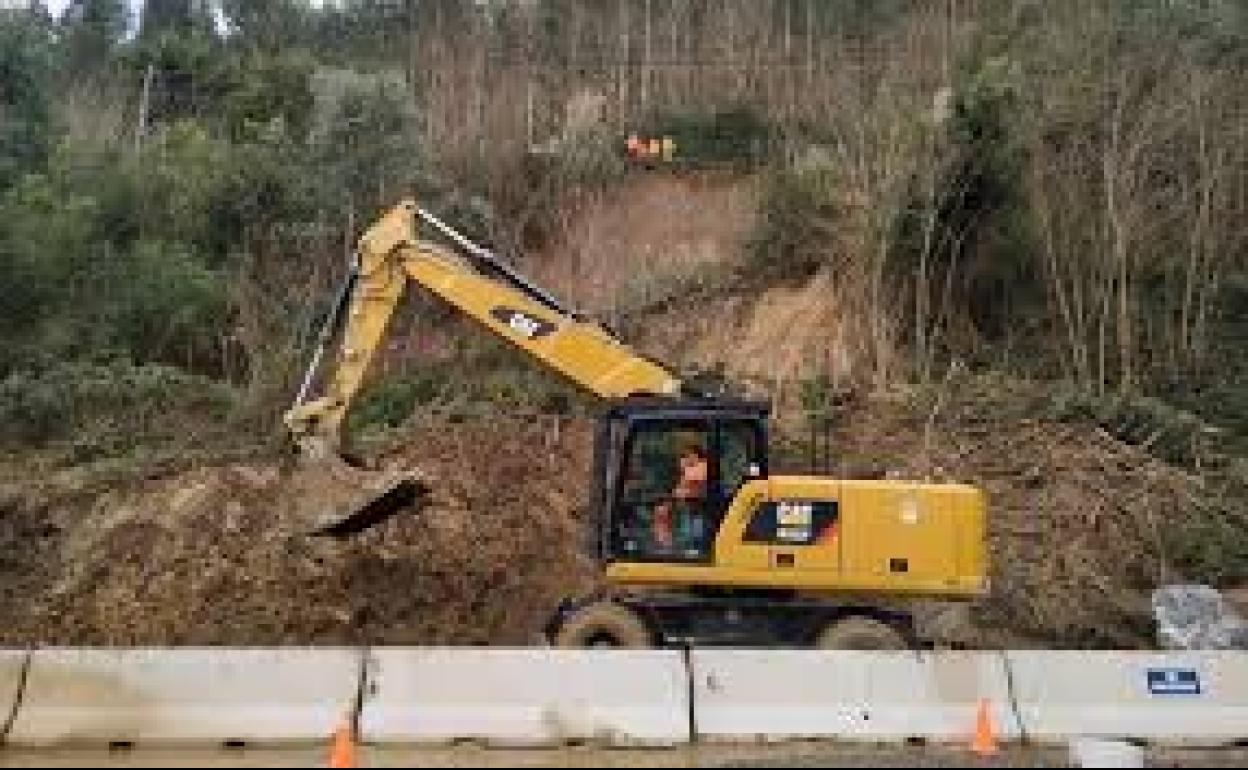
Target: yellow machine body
x=894, y=537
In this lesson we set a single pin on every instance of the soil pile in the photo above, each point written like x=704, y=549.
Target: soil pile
x=1076, y=517
x=214, y=556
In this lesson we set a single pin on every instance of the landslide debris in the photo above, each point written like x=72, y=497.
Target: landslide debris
x=213, y=557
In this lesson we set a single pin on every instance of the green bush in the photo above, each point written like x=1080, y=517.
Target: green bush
x=110, y=408
x=489, y=381
x=165, y=304
x=81, y=278
x=1174, y=435
x=390, y=402
x=738, y=135
x=262, y=88
x=369, y=149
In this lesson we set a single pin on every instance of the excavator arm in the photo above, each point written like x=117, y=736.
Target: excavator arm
x=480, y=286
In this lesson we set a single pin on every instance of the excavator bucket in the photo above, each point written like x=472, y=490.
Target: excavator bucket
x=370, y=508
x=335, y=499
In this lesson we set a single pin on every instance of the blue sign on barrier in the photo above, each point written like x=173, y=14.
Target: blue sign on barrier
x=1173, y=681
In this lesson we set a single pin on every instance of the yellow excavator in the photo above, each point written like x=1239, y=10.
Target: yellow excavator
x=697, y=542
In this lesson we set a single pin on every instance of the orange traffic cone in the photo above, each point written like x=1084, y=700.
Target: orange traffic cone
x=985, y=742
x=343, y=752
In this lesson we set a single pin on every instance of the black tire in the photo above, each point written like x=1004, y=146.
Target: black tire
x=604, y=624
x=857, y=632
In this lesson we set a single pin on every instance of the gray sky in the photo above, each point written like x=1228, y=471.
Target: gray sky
x=57, y=7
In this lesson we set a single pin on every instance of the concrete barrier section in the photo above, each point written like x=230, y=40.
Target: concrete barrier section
x=526, y=696
x=876, y=696
x=617, y=697
x=185, y=695
x=1098, y=752
x=1171, y=697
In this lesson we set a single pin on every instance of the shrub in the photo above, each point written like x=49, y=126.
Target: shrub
x=107, y=409
x=737, y=135
x=799, y=221
x=390, y=402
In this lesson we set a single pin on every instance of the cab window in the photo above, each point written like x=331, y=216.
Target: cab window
x=663, y=501
x=739, y=456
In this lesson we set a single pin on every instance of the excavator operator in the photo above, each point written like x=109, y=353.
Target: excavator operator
x=679, y=521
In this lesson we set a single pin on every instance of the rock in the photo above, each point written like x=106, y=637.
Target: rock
x=1197, y=617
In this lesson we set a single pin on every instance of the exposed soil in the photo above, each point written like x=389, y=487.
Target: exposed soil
x=646, y=230
x=216, y=556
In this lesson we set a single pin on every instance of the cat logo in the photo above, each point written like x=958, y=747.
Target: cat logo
x=523, y=324
x=793, y=521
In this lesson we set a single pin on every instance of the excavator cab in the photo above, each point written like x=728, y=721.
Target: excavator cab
x=666, y=471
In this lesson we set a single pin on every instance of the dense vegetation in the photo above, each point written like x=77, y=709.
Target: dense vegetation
x=1057, y=191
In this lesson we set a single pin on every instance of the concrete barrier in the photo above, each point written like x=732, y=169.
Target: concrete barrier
x=185, y=695
x=526, y=696
x=618, y=697
x=1172, y=697
x=1097, y=752
x=876, y=696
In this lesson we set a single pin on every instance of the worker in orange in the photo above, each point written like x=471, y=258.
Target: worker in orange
x=690, y=490
x=632, y=146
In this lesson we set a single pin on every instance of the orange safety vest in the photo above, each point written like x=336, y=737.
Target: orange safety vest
x=692, y=486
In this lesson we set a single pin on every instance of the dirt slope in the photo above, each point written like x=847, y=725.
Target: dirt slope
x=649, y=228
